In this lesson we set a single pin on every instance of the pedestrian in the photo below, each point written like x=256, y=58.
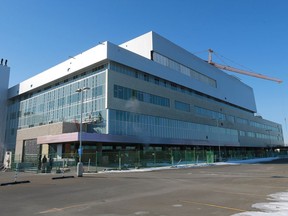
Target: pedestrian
x=50, y=163
x=44, y=164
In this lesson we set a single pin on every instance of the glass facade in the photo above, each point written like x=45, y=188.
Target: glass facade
x=60, y=103
x=134, y=124
x=222, y=117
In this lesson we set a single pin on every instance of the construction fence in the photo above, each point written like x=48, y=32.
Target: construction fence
x=120, y=160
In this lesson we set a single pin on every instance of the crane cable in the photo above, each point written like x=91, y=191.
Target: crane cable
x=221, y=58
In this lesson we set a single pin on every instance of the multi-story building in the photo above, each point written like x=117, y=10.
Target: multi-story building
x=147, y=92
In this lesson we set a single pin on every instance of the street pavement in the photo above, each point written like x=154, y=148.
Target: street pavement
x=211, y=190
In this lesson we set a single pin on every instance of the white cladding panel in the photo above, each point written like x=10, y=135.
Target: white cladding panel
x=229, y=88
x=142, y=45
x=76, y=63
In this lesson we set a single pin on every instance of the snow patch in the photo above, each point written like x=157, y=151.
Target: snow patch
x=279, y=206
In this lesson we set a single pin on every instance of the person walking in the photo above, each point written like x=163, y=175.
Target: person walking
x=44, y=164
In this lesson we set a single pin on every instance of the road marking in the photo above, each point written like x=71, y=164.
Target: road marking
x=247, y=194
x=61, y=209
x=213, y=205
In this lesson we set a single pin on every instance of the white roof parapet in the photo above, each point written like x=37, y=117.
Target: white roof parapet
x=73, y=64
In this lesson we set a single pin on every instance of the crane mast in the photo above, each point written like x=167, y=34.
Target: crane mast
x=228, y=68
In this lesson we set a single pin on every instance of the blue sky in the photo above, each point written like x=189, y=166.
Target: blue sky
x=37, y=34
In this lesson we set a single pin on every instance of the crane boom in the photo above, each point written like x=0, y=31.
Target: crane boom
x=223, y=67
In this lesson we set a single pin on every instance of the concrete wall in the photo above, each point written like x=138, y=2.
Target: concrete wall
x=44, y=130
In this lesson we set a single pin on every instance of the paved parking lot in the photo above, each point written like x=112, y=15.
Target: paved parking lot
x=214, y=190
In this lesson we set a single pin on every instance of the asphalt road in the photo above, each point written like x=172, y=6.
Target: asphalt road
x=214, y=190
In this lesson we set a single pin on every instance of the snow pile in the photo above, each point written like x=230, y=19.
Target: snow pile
x=278, y=207
x=182, y=166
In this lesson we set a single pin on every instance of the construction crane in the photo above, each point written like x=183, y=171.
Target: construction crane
x=228, y=68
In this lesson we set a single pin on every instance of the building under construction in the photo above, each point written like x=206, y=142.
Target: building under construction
x=145, y=93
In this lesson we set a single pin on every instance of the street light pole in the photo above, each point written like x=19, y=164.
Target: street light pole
x=269, y=131
x=80, y=150
x=270, y=142
x=219, y=147
x=218, y=139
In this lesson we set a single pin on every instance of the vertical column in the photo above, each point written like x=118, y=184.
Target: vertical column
x=4, y=83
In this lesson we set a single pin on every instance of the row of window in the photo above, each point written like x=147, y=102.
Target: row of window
x=128, y=123
x=65, y=114
x=170, y=85
x=183, y=69
x=184, y=106
x=130, y=94
x=269, y=137
x=134, y=124
x=127, y=94
x=59, y=104
x=62, y=83
x=38, y=104
x=224, y=117
x=147, y=77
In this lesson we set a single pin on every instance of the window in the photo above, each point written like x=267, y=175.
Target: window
x=146, y=77
x=156, y=80
x=242, y=133
x=182, y=106
x=129, y=94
